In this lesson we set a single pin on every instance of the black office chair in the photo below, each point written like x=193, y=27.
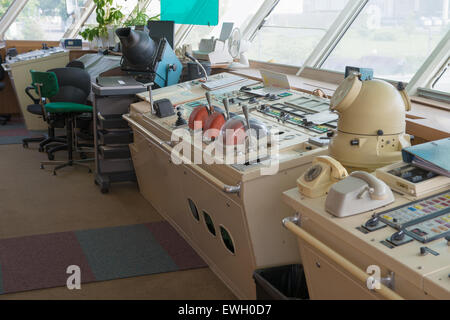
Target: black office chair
x=51, y=143
x=75, y=86
x=75, y=64
x=54, y=121
x=3, y=118
x=72, y=89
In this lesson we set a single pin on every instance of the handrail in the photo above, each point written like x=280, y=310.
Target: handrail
x=355, y=271
x=166, y=146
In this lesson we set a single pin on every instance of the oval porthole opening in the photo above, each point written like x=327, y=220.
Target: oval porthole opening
x=194, y=210
x=209, y=223
x=227, y=240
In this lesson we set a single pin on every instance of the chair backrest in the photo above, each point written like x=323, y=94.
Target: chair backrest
x=74, y=85
x=47, y=82
x=75, y=64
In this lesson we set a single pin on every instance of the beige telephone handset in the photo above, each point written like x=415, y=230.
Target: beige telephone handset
x=318, y=179
x=360, y=192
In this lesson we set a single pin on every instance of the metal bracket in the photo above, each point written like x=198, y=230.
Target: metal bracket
x=295, y=220
x=169, y=143
x=232, y=189
x=389, y=280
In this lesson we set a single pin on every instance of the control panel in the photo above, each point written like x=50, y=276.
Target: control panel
x=34, y=55
x=299, y=109
x=425, y=220
x=224, y=115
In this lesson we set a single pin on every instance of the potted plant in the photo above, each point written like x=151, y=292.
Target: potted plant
x=139, y=17
x=107, y=17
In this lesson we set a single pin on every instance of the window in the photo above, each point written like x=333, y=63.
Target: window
x=125, y=6
x=392, y=37
x=154, y=8
x=4, y=4
x=238, y=11
x=442, y=83
x=293, y=30
x=45, y=19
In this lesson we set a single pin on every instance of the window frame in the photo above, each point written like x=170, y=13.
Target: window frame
x=13, y=11
x=420, y=85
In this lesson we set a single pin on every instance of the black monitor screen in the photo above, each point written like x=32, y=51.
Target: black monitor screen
x=162, y=29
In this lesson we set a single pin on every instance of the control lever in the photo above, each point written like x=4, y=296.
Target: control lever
x=373, y=222
x=150, y=98
x=247, y=118
x=227, y=107
x=398, y=236
x=208, y=98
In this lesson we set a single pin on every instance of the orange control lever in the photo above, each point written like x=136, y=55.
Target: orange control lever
x=199, y=114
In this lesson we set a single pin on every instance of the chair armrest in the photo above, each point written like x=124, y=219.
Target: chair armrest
x=28, y=92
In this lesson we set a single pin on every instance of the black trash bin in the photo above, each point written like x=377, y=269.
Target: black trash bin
x=281, y=283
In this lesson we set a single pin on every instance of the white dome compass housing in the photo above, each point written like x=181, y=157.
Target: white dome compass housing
x=371, y=127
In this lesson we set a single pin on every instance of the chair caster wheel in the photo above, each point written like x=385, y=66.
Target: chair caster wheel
x=104, y=187
x=41, y=149
x=95, y=182
x=25, y=145
x=54, y=173
x=42, y=167
x=51, y=157
x=83, y=156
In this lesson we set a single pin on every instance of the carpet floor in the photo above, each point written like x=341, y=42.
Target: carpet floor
x=43, y=261
x=34, y=202
x=15, y=130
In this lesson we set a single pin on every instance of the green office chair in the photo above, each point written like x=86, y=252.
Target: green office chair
x=46, y=85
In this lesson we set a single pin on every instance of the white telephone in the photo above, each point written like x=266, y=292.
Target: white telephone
x=318, y=179
x=360, y=192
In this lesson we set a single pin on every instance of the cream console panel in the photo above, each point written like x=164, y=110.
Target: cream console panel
x=420, y=269
x=326, y=281
x=230, y=213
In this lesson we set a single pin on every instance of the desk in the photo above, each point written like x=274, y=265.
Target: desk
x=229, y=212
x=416, y=276
x=19, y=74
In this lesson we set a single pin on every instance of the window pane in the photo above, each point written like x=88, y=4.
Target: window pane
x=392, y=37
x=238, y=11
x=4, y=4
x=443, y=84
x=154, y=8
x=294, y=29
x=125, y=6
x=45, y=19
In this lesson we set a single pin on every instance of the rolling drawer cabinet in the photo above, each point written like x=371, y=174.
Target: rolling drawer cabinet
x=112, y=135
